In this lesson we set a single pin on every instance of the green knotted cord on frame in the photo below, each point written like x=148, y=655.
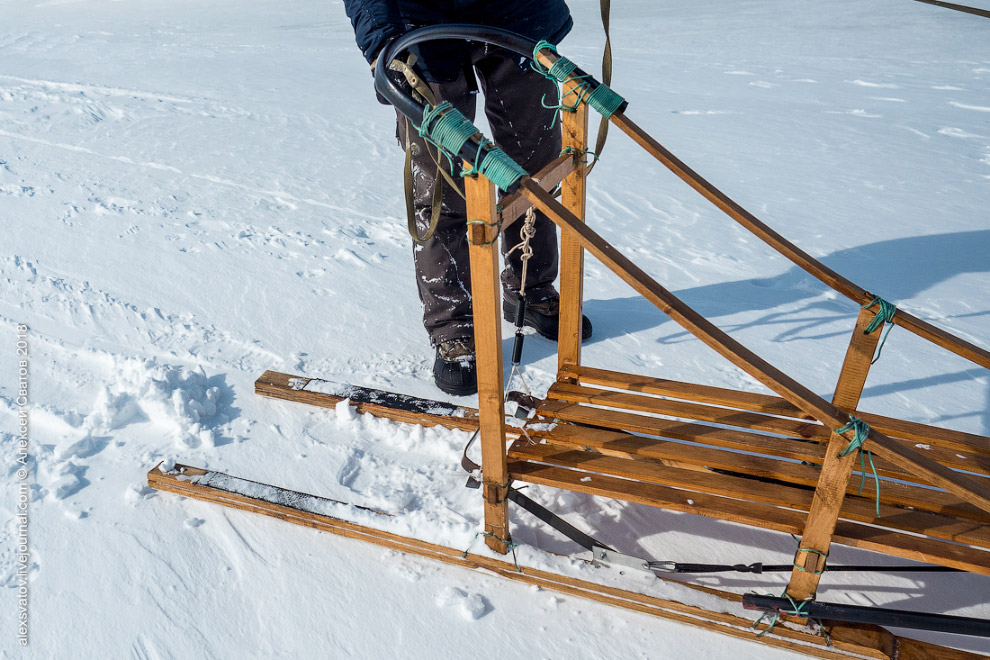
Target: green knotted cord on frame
x=448, y=129
x=862, y=433
x=884, y=315
x=602, y=98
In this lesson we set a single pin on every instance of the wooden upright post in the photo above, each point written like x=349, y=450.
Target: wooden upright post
x=486, y=297
x=574, y=135
x=809, y=562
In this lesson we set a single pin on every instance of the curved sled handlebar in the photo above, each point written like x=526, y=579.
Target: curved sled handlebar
x=406, y=104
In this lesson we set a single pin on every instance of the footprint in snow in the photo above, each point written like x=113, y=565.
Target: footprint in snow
x=350, y=470
x=470, y=606
x=69, y=479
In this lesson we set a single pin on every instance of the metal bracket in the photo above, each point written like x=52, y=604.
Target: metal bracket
x=605, y=556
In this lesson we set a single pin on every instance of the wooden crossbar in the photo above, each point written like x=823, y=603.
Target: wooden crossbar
x=749, y=460
x=765, y=403
x=977, y=463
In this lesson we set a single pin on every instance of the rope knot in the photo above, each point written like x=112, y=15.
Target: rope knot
x=797, y=610
x=862, y=432
x=884, y=315
x=602, y=98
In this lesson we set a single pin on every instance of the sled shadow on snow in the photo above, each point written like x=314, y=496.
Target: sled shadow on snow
x=897, y=269
x=647, y=532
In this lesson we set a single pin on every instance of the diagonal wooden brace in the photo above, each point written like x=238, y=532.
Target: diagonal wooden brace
x=802, y=259
x=910, y=459
x=810, y=559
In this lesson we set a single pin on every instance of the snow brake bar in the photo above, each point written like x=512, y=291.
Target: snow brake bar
x=879, y=616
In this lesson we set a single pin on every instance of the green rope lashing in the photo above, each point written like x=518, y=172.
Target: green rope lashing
x=512, y=545
x=797, y=610
x=536, y=65
x=862, y=430
x=446, y=128
x=602, y=98
x=583, y=152
x=823, y=555
x=562, y=69
x=884, y=315
x=500, y=169
x=605, y=101
x=497, y=225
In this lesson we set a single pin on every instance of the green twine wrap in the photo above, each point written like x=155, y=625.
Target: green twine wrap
x=448, y=129
x=862, y=433
x=605, y=101
x=884, y=315
x=602, y=98
x=797, y=610
x=500, y=169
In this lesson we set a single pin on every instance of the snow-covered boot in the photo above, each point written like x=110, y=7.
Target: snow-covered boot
x=454, y=369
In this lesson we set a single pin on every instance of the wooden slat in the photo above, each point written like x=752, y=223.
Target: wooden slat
x=574, y=135
x=753, y=514
x=785, y=386
x=921, y=433
x=690, y=456
x=719, y=396
x=801, y=258
x=730, y=438
x=485, y=299
x=794, y=428
x=861, y=642
x=772, y=446
x=954, y=441
x=855, y=509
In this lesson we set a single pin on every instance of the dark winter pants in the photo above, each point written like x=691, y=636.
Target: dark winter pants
x=521, y=126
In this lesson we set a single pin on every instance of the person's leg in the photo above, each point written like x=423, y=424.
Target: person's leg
x=526, y=131
x=442, y=270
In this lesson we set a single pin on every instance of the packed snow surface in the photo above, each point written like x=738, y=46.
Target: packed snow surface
x=193, y=193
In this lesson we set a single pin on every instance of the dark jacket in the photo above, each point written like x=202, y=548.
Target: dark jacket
x=376, y=22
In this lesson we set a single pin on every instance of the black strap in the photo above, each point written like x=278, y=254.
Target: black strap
x=535, y=508
x=678, y=567
x=555, y=521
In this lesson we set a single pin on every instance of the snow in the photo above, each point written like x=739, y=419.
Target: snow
x=193, y=193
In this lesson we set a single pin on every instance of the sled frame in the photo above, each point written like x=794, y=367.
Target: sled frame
x=935, y=512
